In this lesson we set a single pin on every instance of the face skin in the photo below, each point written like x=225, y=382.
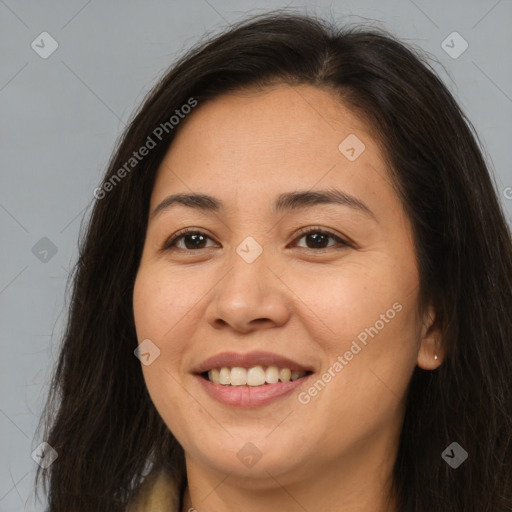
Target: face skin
x=304, y=298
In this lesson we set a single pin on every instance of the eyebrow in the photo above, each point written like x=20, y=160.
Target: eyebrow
x=285, y=202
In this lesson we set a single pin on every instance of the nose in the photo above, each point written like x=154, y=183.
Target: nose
x=251, y=296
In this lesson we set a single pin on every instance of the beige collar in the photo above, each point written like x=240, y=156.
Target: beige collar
x=159, y=493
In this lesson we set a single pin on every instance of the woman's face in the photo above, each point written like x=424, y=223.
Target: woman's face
x=249, y=285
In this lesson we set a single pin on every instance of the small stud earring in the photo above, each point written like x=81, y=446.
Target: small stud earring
x=435, y=357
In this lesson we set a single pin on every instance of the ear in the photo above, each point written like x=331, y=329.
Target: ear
x=431, y=353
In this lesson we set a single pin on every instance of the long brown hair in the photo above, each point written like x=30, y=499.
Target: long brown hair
x=100, y=418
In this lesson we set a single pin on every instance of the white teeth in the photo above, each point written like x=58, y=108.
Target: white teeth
x=238, y=376
x=272, y=374
x=213, y=375
x=255, y=376
x=225, y=376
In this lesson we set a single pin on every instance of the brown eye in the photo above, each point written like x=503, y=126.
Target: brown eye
x=192, y=240
x=319, y=239
x=315, y=239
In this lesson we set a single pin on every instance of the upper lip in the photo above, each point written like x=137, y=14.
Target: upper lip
x=232, y=359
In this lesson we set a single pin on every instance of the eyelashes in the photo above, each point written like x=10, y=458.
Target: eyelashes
x=196, y=239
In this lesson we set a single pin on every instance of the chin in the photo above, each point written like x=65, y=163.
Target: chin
x=253, y=462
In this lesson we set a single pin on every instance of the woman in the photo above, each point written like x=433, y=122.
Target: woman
x=300, y=241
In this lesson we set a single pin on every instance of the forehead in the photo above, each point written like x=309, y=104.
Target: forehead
x=269, y=141
x=281, y=115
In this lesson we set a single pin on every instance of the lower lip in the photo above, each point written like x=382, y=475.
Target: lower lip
x=250, y=396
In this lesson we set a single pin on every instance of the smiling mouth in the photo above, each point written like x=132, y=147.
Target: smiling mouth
x=253, y=376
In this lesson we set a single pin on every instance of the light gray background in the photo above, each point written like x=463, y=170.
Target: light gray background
x=60, y=118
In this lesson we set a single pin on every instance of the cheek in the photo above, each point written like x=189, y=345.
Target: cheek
x=370, y=299
x=368, y=365
x=161, y=303
x=366, y=327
